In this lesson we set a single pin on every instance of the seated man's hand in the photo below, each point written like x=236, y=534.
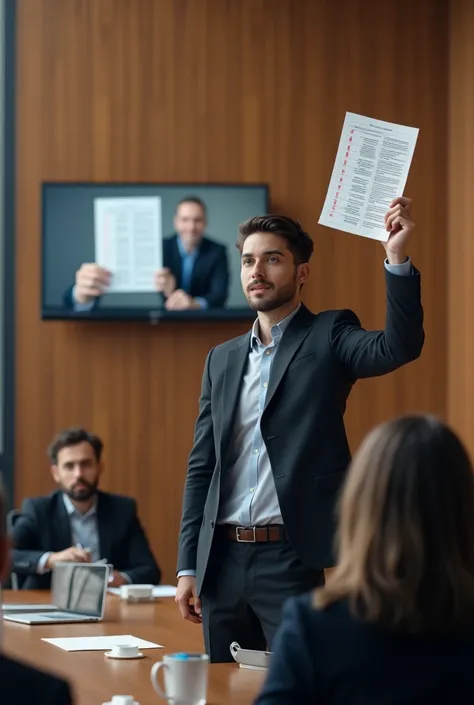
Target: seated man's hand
x=69, y=555
x=91, y=281
x=181, y=301
x=165, y=282
x=116, y=580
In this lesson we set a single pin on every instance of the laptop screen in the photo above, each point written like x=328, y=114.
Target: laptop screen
x=80, y=587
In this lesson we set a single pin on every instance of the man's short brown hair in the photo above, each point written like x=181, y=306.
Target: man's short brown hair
x=72, y=437
x=298, y=241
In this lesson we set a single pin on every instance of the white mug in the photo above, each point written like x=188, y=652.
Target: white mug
x=185, y=677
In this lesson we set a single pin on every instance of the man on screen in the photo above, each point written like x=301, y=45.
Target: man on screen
x=195, y=275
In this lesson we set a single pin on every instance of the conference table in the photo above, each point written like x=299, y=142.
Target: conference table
x=94, y=678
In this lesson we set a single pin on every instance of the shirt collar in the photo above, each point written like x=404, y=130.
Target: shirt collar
x=71, y=509
x=183, y=252
x=276, y=330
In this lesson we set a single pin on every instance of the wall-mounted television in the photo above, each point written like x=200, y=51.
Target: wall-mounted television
x=129, y=230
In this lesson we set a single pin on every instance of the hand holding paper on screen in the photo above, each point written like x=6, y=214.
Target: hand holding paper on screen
x=165, y=281
x=370, y=172
x=91, y=281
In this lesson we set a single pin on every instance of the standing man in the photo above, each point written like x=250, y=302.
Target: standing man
x=195, y=273
x=270, y=448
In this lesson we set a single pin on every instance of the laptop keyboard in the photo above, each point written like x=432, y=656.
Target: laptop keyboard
x=68, y=615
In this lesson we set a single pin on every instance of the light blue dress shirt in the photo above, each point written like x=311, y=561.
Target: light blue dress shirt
x=188, y=260
x=248, y=494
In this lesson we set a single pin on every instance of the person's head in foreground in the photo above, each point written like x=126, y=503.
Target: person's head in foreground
x=406, y=529
x=395, y=622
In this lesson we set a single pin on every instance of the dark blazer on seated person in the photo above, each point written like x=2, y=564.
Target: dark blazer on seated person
x=23, y=685
x=209, y=278
x=44, y=526
x=327, y=657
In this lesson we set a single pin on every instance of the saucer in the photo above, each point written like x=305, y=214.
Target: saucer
x=109, y=654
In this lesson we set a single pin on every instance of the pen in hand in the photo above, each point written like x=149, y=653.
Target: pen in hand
x=83, y=548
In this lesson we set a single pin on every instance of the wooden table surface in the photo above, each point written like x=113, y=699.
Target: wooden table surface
x=95, y=678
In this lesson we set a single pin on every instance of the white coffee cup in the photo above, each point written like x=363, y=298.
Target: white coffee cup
x=185, y=677
x=124, y=651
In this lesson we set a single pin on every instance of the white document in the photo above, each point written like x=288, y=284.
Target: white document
x=100, y=643
x=371, y=169
x=158, y=591
x=129, y=241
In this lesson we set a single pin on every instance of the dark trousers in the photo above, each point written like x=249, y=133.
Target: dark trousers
x=244, y=590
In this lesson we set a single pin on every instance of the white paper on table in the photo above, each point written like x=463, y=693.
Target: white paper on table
x=158, y=591
x=100, y=643
x=129, y=241
x=371, y=169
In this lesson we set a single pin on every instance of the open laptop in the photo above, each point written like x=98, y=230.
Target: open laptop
x=78, y=595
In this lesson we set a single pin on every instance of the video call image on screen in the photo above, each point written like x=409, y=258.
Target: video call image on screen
x=135, y=230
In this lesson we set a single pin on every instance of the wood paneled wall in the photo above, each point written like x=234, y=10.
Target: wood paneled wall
x=461, y=231
x=218, y=90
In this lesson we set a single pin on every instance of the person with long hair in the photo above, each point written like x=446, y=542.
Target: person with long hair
x=394, y=625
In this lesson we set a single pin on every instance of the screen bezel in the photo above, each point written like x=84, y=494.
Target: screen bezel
x=151, y=316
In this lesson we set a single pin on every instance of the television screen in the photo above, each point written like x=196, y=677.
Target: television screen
x=145, y=251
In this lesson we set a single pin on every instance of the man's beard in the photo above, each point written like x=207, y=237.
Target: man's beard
x=82, y=491
x=282, y=297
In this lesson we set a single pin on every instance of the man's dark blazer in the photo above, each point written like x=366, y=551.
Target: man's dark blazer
x=23, y=685
x=318, y=360
x=328, y=656
x=210, y=277
x=44, y=526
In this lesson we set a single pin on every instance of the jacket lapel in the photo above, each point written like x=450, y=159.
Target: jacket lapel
x=292, y=339
x=233, y=378
x=201, y=265
x=174, y=263
x=61, y=526
x=104, y=528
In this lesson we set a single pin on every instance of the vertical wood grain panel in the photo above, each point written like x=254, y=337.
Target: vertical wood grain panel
x=460, y=232
x=218, y=90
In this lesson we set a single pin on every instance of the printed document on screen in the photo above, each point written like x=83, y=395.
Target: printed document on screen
x=370, y=170
x=129, y=241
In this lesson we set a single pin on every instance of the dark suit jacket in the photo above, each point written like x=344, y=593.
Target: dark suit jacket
x=44, y=526
x=317, y=362
x=327, y=656
x=210, y=277
x=24, y=685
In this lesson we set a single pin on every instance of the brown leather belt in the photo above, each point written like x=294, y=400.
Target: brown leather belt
x=255, y=534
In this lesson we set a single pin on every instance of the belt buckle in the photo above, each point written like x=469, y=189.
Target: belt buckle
x=245, y=528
